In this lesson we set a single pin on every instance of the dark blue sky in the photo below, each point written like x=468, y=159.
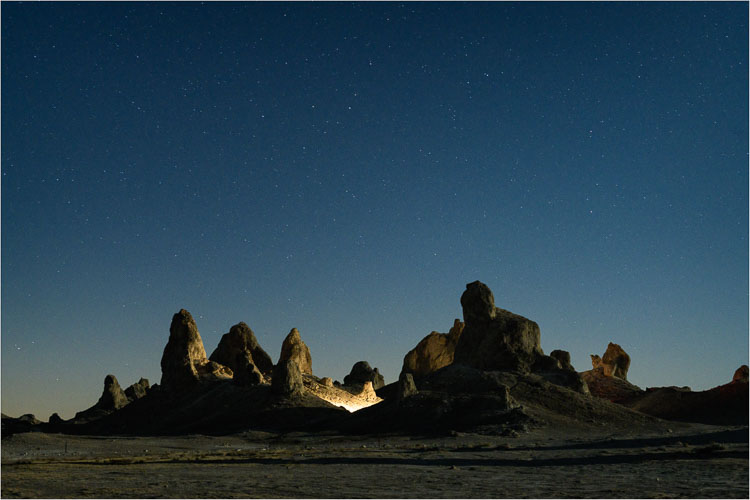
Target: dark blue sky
x=347, y=168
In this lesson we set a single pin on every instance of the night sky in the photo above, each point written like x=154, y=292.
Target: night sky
x=346, y=169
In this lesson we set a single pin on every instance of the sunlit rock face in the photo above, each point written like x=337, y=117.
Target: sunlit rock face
x=433, y=352
x=295, y=349
x=607, y=378
x=351, y=401
x=493, y=338
x=614, y=363
x=184, y=362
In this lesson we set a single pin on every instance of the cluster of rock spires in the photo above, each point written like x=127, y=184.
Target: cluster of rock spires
x=491, y=339
x=487, y=372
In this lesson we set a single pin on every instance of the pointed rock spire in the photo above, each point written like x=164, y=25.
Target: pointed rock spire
x=295, y=349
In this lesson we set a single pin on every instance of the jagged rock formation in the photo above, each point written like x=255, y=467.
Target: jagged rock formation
x=493, y=338
x=241, y=341
x=293, y=348
x=184, y=361
x=362, y=373
x=287, y=379
x=614, y=363
x=137, y=390
x=433, y=352
x=499, y=382
x=608, y=377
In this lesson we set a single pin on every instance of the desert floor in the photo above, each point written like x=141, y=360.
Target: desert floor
x=690, y=460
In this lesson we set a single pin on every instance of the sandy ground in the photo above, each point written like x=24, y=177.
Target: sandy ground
x=691, y=461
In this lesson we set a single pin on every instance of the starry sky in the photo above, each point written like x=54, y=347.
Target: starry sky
x=346, y=168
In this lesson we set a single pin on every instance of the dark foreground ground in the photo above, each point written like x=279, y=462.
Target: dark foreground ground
x=691, y=461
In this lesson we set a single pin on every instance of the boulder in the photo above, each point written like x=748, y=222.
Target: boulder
x=137, y=390
x=55, y=419
x=287, y=379
x=327, y=381
x=406, y=386
x=740, y=375
x=493, y=338
x=241, y=341
x=293, y=348
x=361, y=373
x=614, y=363
x=184, y=362
x=433, y=352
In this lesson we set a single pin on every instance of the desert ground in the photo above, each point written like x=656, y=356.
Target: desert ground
x=684, y=461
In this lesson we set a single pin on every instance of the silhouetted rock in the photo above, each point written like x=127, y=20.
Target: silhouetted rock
x=562, y=357
x=478, y=304
x=113, y=397
x=740, y=375
x=184, y=361
x=361, y=373
x=24, y=423
x=406, y=386
x=433, y=352
x=55, y=419
x=295, y=349
x=287, y=379
x=29, y=418
x=493, y=338
x=614, y=363
x=723, y=405
x=137, y=390
x=241, y=340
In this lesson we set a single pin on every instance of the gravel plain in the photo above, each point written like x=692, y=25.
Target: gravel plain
x=693, y=461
